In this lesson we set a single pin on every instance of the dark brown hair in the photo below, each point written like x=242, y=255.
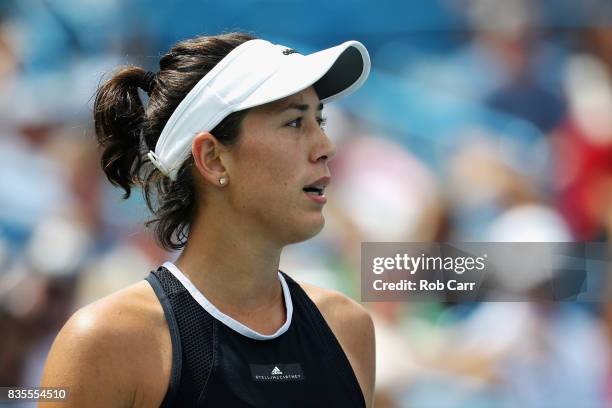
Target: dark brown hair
x=126, y=131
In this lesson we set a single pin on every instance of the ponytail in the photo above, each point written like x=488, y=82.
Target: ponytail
x=118, y=118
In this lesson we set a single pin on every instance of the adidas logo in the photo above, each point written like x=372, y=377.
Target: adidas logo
x=272, y=372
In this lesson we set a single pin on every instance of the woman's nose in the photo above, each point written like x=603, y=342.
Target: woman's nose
x=325, y=149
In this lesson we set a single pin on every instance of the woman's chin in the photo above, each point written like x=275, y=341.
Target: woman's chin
x=303, y=231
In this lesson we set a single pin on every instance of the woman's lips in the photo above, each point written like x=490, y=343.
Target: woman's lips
x=320, y=182
x=319, y=199
x=316, y=190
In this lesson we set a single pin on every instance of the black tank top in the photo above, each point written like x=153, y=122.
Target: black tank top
x=214, y=365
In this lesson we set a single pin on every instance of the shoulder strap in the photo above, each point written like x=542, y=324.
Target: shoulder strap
x=336, y=357
x=193, y=333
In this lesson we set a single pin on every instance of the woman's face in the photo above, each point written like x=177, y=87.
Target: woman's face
x=282, y=149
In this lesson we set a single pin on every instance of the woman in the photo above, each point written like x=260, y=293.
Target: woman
x=233, y=164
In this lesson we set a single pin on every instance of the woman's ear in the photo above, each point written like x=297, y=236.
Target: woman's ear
x=207, y=152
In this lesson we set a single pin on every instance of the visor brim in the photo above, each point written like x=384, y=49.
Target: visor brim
x=334, y=72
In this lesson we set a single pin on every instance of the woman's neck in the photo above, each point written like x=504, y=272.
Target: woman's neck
x=235, y=269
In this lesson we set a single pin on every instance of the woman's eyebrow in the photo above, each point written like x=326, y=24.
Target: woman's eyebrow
x=299, y=106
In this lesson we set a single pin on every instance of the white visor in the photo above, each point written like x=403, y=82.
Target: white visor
x=252, y=74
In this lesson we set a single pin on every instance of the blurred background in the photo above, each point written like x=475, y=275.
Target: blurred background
x=482, y=120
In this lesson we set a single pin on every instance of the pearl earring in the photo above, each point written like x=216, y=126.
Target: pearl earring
x=222, y=181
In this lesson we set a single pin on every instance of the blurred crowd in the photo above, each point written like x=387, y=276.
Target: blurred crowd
x=482, y=120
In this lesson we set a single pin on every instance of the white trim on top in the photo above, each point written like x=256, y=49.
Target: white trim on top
x=227, y=320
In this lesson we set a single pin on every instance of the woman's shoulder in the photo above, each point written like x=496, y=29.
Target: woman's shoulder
x=353, y=327
x=126, y=314
x=112, y=342
x=335, y=305
x=350, y=322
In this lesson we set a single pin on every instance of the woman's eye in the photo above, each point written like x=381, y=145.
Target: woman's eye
x=296, y=123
